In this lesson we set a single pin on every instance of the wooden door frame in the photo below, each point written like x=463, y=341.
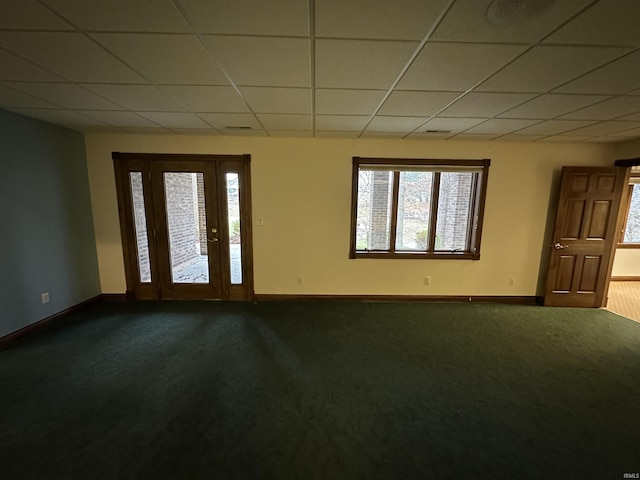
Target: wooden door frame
x=240, y=164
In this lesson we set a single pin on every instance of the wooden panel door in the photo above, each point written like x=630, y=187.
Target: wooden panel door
x=584, y=236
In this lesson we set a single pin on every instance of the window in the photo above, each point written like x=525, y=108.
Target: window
x=630, y=236
x=417, y=208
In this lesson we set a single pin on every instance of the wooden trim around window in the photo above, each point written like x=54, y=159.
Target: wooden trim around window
x=476, y=208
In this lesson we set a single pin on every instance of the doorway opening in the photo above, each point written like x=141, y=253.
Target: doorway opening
x=624, y=289
x=186, y=225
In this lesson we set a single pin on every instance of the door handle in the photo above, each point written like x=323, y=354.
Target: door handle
x=558, y=246
x=212, y=240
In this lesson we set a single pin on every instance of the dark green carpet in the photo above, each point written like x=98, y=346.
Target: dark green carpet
x=207, y=390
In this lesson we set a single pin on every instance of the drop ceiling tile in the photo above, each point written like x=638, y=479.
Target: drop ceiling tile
x=607, y=139
x=567, y=139
x=348, y=102
x=485, y=105
x=286, y=122
x=354, y=123
x=330, y=134
x=70, y=55
x=121, y=15
x=119, y=119
x=10, y=98
x=177, y=59
x=635, y=92
x=417, y=104
x=290, y=133
x=250, y=17
x=244, y=133
x=66, y=95
x=613, y=108
x=148, y=131
x=384, y=135
x=16, y=69
x=520, y=138
x=429, y=136
x=207, y=99
x=634, y=132
x=278, y=100
x=59, y=117
x=551, y=105
x=195, y=131
x=467, y=21
x=94, y=129
x=143, y=98
x=553, y=127
x=222, y=120
x=174, y=120
x=604, y=128
x=545, y=67
x=360, y=64
x=395, y=124
x=500, y=126
x=632, y=118
x=29, y=15
x=616, y=78
x=474, y=137
x=607, y=22
x=453, y=125
x=381, y=19
x=434, y=70
x=264, y=61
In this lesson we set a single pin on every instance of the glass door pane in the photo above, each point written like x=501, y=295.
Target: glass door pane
x=187, y=227
x=140, y=226
x=233, y=216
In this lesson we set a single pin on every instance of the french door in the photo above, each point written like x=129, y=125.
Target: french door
x=186, y=225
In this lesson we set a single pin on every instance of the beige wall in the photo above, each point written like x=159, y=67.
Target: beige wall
x=627, y=149
x=302, y=190
x=626, y=263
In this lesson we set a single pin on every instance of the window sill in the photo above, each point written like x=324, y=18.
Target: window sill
x=417, y=255
x=629, y=245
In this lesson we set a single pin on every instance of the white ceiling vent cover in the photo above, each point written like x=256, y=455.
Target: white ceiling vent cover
x=508, y=12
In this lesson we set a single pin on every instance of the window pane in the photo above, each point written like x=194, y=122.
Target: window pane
x=414, y=204
x=233, y=214
x=374, y=210
x=187, y=232
x=632, y=230
x=140, y=223
x=452, y=226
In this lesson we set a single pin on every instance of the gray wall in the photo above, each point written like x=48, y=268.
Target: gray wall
x=47, y=242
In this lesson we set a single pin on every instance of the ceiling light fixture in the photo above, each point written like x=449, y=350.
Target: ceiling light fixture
x=509, y=12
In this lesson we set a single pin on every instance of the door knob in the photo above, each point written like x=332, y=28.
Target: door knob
x=558, y=246
x=212, y=240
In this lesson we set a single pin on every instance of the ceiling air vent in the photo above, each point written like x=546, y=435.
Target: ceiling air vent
x=437, y=131
x=509, y=12
x=238, y=127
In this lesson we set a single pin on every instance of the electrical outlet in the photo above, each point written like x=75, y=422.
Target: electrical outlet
x=260, y=222
x=427, y=280
x=300, y=279
x=512, y=282
x=45, y=297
